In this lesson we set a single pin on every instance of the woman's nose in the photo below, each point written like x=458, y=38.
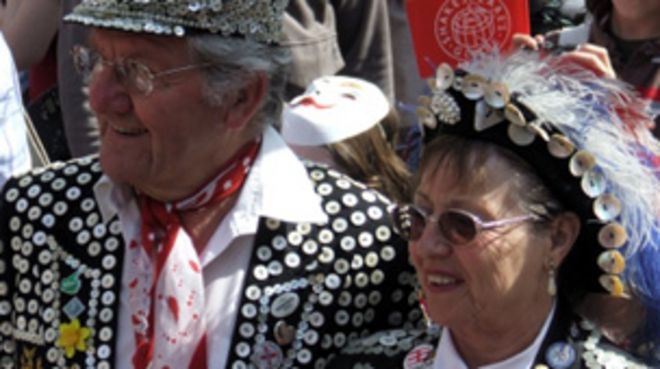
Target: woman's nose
x=107, y=95
x=432, y=243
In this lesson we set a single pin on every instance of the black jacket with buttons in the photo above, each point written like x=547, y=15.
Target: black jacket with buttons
x=61, y=265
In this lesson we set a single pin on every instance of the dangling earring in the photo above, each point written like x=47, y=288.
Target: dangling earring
x=552, y=284
x=424, y=307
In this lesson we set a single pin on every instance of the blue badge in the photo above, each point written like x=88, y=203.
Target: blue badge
x=560, y=355
x=74, y=308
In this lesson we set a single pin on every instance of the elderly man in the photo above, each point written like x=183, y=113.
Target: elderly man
x=196, y=239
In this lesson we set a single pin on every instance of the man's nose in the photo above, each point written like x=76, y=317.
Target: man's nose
x=107, y=95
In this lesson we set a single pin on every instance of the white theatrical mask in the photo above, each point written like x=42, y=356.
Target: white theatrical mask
x=333, y=109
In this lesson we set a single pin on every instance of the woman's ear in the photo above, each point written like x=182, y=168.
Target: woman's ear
x=247, y=100
x=564, y=229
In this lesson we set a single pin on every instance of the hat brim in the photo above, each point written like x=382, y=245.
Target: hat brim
x=138, y=22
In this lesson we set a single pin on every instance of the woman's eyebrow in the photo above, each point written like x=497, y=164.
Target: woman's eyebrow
x=422, y=195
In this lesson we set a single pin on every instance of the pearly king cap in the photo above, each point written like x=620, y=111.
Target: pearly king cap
x=260, y=20
x=582, y=137
x=333, y=109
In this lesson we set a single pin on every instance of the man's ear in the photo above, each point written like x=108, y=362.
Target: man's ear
x=565, y=229
x=247, y=100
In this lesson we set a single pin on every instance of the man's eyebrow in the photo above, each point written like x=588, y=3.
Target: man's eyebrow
x=158, y=42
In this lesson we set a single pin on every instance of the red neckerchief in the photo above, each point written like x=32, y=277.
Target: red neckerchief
x=166, y=290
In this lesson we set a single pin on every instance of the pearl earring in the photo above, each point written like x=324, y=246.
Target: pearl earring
x=552, y=283
x=422, y=305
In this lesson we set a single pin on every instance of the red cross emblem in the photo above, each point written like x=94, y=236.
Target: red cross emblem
x=267, y=355
x=418, y=357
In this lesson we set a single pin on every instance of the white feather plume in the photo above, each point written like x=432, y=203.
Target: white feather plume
x=584, y=107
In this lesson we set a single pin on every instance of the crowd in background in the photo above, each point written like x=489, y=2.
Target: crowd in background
x=365, y=39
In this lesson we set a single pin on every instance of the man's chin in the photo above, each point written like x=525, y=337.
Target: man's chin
x=121, y=170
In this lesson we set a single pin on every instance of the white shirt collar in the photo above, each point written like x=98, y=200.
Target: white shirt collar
x=446, y=356
x=277, y=187
x=277, y=178
x=111, y=197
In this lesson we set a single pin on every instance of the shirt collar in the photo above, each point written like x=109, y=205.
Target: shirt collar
x=446, y=355
x=276, y=178
x=111, y=197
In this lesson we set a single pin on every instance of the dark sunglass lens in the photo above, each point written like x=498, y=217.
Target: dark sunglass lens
x=457, y=228
x=405, y=221
x=417, y=224
x=400, y=221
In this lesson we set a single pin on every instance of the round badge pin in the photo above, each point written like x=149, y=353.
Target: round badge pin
x=284, y=305
x=560, y=355
x=419, y=357
x=267, y=355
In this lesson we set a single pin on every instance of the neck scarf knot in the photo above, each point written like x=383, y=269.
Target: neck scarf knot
x=166, y=288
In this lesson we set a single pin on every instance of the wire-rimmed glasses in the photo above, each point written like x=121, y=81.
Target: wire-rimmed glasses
x=132, y=74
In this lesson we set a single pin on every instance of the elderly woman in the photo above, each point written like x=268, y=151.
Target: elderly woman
x=534, y=224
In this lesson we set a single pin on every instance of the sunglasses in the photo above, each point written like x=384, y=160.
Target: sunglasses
x=456, y=226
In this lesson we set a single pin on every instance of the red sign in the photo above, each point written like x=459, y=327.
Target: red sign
x=449, y=30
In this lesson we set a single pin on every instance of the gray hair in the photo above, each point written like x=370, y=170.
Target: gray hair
x=234, y=59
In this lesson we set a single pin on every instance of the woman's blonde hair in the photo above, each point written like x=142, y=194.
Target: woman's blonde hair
x=370, y=158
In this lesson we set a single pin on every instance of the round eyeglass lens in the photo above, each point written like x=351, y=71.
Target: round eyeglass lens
x=457, y=228
x=417, y=223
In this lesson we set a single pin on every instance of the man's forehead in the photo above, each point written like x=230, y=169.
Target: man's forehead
x=100, y=36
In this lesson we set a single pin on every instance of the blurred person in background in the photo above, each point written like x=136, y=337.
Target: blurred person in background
x=14, y=150
x=348, y=124
x=30, y=28
x=549, y=15
x=347, y=37
x=408, y=84
x=80, y=128
x=620, y=39
x=41, y=43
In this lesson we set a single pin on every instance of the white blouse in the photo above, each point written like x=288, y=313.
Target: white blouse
x=446, y=356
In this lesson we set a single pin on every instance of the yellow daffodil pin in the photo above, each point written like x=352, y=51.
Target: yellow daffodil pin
x=73, y=337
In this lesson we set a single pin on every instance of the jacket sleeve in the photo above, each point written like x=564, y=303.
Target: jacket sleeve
x=7, y=343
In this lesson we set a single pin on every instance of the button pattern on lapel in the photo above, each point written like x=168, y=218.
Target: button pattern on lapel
x=312, y=288
x=65, y=262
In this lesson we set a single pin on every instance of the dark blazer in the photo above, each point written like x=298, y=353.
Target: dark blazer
x=60, y=265
x=570, y=343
